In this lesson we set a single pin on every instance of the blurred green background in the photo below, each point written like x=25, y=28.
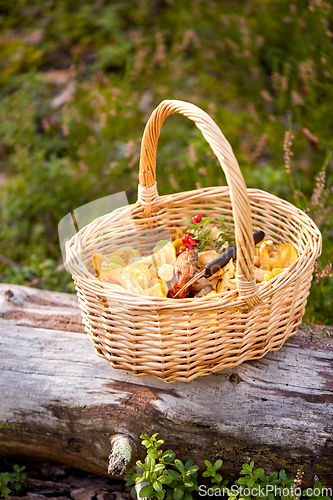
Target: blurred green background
x=79, y=80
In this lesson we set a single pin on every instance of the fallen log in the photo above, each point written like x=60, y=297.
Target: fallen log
x=60, y=402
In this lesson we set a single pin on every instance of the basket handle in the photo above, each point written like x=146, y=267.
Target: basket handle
x=147, y=193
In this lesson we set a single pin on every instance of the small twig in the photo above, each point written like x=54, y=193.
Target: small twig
x=9, y=262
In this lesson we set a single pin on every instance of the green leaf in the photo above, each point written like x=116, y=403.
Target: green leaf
x=193, y=468
x=5, y=491
x=157, y=485
x=188, y=484
x=166, y=478
x=129, y=481
x=283, y=475
x=168, y=456
x=17, y=486
x=151, y=463
x=4, y=478
x=208, y=464
x=187, y=221
x=147, y=491
x=141, y=479
x=175, y=475
x=159, y=467
x=178, y=493
x=247, y=469
x=188, y=496
x=179, y=465
x=218, y=477
x=160, y=494
x=217, y=464
x=242, y=481
x=189, y=463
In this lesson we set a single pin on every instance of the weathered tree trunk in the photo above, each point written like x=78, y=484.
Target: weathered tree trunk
x=59, y=401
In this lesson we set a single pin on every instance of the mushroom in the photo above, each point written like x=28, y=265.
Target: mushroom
x=184, y=270
x=204, y=291
x=206, y=257
x=264, y=257
x=228, y=280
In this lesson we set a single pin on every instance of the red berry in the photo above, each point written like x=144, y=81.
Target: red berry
x=304, y=90
x=196, y=219
x=193, y=243
x=185, y=239
x=181, y=250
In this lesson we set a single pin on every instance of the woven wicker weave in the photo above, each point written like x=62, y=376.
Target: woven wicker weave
x=180, y=339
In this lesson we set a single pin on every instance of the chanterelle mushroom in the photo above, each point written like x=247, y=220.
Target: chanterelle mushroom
x=264, y=257
x=228, y=280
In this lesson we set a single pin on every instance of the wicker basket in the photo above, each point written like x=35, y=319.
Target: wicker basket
x=182, y=339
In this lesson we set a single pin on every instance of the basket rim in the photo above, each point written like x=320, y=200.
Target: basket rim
x=231, y=300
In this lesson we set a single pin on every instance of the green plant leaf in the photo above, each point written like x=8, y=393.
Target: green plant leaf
x=4, y=491
x=259, y=472
x=283, y=476
x=208, y=464
x=147, y=491
x=160, y=494
x=140, y=464
x=175, y=475
x=151, y=463
x=189, y=463
x=142, y=479
x=159, y=467
x=217, y=464
x=179, y=465
x=178, y=493
x=247, y=469
x=168, y=456
x=166, y=478
x=157, y=485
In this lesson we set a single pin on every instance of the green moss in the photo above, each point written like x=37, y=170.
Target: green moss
x=5, y=425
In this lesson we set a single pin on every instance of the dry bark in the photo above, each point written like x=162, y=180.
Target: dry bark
x=60, y=402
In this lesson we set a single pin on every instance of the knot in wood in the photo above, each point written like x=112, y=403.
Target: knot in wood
x=234, y=378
